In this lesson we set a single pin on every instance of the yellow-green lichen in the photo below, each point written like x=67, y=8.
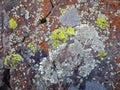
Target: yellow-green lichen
x=62, y=11
x=12, y=59
x=102, y=54
x=102, y=22
x=60, y=36
x=70, y=31
x=12, y=23
x=32, y=47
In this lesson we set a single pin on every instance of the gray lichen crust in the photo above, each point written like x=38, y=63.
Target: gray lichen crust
x=69, y=56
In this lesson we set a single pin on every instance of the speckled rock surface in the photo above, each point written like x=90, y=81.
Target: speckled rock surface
x=87, y=51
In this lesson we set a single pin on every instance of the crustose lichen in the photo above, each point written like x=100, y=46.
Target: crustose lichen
x=60, y=36
x=102, y=22
x=12, y=23
x=102, y=54
x=12, y=59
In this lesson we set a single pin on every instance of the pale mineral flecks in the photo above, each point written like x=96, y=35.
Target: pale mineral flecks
x=89, y=36
x=78, y=55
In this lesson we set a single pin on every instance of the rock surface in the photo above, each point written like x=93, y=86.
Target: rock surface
x=76, y=64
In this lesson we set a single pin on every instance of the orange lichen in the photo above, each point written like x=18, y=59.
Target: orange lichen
x=116, y=23
x=46, y=7
x=44, y=45
x=111, y=6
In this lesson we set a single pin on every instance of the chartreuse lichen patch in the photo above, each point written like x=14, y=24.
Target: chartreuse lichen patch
x=12, y=59
x=31, y=47
x=12, y=23
x=102, y=54
x=70, y=31
x=62, y=11
x=102, y=22
x=60, y=36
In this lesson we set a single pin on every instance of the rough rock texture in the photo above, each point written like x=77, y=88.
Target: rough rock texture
x=72, y=65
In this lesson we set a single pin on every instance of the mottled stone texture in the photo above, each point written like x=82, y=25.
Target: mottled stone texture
x=74, y=64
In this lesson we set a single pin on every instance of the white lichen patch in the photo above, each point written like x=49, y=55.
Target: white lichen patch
x=87, y=35
x=69, y=56
x=54, y=52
